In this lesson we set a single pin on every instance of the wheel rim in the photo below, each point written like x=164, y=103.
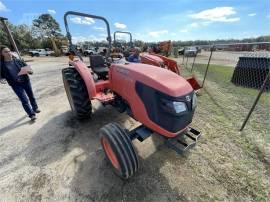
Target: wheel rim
x=110, y=154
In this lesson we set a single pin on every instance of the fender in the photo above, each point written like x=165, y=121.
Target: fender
x=87, y=77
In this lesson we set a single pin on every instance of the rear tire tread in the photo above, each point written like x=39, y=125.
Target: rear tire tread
x=78, y=93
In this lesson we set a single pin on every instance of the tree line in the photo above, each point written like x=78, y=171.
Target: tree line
x=45, y=32
x=222, y=41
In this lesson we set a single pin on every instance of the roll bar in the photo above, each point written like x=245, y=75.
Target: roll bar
x=87, y=16
x=122, y=32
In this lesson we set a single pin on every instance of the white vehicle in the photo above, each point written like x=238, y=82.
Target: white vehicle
x=89, y=52
x=191, y=52
x=40, y=52
x=49, y=51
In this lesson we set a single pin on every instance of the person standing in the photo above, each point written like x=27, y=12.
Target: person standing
x=135, y=56
x=21, y=85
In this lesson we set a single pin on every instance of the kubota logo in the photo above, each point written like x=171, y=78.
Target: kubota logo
x=122, y=71
x=188, y=98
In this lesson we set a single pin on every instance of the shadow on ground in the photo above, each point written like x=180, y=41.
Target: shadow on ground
x=86, y=174
x=17, y=123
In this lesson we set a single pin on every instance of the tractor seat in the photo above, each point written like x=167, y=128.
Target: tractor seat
x=98, y=65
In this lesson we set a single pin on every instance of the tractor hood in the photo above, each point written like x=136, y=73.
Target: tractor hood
x=158, y=78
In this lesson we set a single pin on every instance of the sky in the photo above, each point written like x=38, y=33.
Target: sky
x=150, y=20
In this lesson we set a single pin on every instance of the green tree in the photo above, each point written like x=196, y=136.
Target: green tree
x=46, y=26
x=22, y=35
x=3, y=36
x=24, y=38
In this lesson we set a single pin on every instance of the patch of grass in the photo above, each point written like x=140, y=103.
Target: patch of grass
x=218, y=73
x=222, y=76
x=239, y=162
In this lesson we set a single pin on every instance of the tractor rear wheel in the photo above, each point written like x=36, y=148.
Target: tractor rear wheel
x=119, y=150
x=77, y=93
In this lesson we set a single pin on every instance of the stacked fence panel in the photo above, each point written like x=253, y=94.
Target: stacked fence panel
x=251, y=72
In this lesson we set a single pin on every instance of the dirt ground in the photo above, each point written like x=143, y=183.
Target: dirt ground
x=227, y=58
x=59, y=158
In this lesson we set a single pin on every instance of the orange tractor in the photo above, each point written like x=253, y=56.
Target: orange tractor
x=162, y=101
x=165, y=47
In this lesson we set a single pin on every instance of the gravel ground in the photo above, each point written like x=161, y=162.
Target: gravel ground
x=59, y=158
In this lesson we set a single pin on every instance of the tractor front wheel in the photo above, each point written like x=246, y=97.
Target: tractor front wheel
x=119, y=150
x=77, y=93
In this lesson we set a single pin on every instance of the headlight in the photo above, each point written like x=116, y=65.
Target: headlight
x=179, y=107
x=194, y=101
x=173, y=106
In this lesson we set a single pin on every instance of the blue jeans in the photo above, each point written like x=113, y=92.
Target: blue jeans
x=25, y=93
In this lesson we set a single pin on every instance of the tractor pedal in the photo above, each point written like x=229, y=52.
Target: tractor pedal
x=184, y=142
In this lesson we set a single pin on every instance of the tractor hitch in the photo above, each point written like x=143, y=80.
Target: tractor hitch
x=184, y=142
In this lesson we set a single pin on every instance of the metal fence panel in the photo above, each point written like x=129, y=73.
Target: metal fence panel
x=238, y=72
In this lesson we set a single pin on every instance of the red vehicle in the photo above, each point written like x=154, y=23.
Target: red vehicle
x=167, y=63
x=162, y=101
